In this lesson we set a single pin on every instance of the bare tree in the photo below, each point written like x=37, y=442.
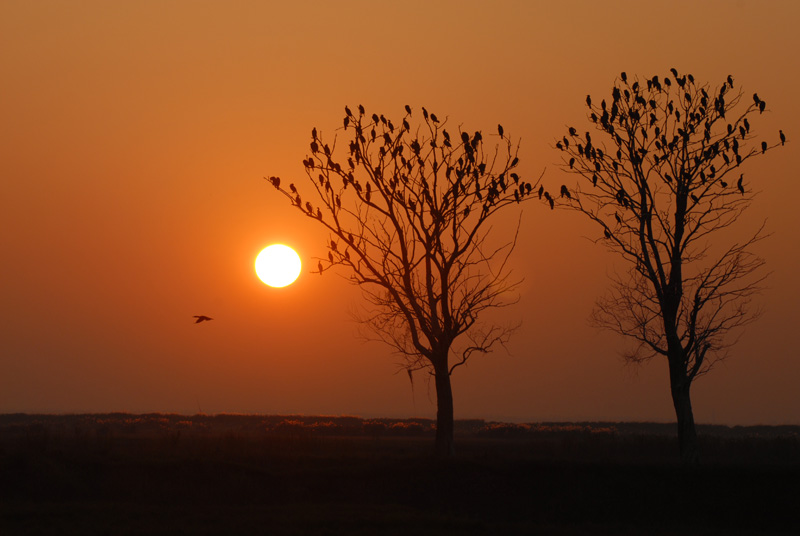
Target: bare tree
x=408, y=209
x=662, y=178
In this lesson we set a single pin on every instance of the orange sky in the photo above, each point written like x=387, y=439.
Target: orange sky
x=133, y=139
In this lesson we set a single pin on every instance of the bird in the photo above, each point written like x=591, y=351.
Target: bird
x=202, y=318
x=319, y=267
x=500, y=130
x=565, y=191
x=624, y=76
x=408, y=109
x=549, y=200
x=730, y=81
x=571, y=163
x=739, y=184
x=572, y=131
x=276, y=181
x=783, y=137
x=292, y=188
x=588, y=100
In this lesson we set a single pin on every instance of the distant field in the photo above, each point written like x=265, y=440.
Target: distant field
x=257, y=474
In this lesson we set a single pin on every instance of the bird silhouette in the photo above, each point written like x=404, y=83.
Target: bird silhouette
x=730, y=81
x=319, y=267
x=763, y=147
x=565, y=191
x=500, y=130
x=739, y=184
x=202, y=318
x=783, y=137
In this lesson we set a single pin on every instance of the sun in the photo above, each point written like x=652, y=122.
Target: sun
x=278, y=265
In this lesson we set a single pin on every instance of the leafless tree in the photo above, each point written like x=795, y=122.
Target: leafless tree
x=409, y=207
x=661, y=175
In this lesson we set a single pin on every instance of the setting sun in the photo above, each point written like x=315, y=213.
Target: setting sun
x=278, y=265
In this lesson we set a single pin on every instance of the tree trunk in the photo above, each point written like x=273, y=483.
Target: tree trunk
x=444, y=412
x=681, y=400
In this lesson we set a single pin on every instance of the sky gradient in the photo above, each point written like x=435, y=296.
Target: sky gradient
x=133, y=141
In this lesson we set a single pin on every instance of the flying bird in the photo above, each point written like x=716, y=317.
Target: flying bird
x=202, y=318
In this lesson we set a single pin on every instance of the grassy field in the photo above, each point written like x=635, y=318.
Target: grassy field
x=252, y=474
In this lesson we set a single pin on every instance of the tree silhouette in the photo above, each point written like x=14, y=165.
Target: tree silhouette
x=408, y=209
x=660, y=177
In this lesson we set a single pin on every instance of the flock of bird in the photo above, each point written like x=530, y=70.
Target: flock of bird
x=636, y=113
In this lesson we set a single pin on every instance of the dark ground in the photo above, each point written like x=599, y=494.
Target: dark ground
x=235, y=474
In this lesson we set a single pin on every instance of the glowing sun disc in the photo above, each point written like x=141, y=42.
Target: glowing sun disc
x=278, y=265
